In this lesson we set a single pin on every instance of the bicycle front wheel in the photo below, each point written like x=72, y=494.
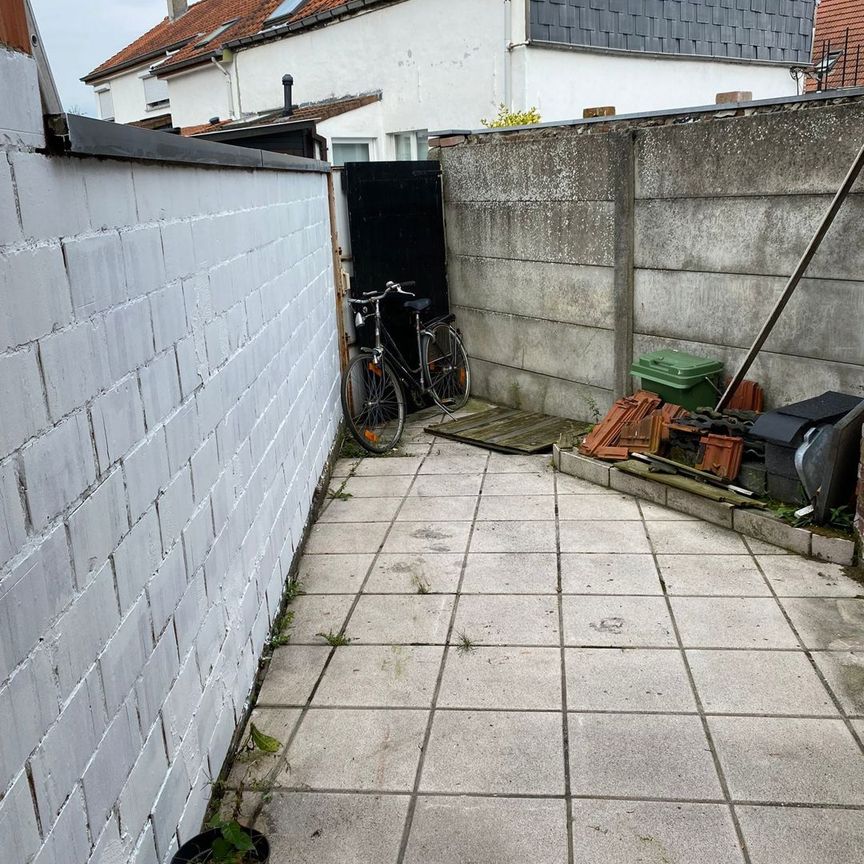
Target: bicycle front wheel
x=373, y=404
x=446, y=365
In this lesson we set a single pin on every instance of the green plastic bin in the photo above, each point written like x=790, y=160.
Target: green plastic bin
x=683, y=379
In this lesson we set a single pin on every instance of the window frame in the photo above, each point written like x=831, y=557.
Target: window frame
x=100, y=92
x=413, y=136
x=149, y=75
x=334, y=142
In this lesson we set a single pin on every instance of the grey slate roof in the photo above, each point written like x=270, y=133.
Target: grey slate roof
x=779, y=30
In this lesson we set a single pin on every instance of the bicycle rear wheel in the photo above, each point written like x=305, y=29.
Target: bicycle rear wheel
x=373, y=404
x=447, y=370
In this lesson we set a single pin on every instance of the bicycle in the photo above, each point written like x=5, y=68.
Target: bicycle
x=373, y=395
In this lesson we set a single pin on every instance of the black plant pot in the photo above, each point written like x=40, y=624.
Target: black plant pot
x=198, y=849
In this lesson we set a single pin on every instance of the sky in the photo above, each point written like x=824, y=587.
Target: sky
x=79, y=36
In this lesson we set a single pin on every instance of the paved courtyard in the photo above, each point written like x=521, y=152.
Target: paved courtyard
x=541, y=671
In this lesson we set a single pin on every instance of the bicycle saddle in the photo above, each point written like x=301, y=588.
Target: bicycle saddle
x=421, y=304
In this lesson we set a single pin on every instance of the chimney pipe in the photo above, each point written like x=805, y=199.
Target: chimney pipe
x=176, y=8
x=288, y=88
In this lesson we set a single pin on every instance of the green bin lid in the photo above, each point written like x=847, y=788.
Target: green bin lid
x=675, y=368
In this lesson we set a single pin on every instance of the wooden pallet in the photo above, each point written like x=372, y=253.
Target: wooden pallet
x=507, y=430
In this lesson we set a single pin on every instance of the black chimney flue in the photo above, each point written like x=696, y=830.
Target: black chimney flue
x=288, y=87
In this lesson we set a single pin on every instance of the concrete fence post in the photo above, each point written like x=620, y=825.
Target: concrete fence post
x=624, y=218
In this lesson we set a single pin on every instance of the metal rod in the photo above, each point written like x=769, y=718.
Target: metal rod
x=845, y=52
x=795, y=278
x=857, y=58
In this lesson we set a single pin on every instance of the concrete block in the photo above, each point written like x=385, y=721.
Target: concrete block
x=19, y=833
x=28, y=706
x=770, y=529
x=13, y=533
x=156, y=679
x=632, y=485
x=160, y=388
x=190, y=612
x=176, y=505
x=110, y=194
x=75, y=363
x=32, y=594
x=142, y=254
x=178, y=250
x=96, y=526
x=118, y=422
x=35, y=294
x=181, y=704
x=142, y=787
x=198, y=536
x=205, y=468
x=137, y=558
x=583, y=467
x=167, y=587
x=59, y=761
x=10, y=225
x=96, y=273
x=83, y=630
x=169, y=806
x=835, y=549
x=183, y=435
x=217, y=342
x=21, y=387
x=58, y=467
x=107, y=772
x=129, y=336
x=717, y=512
x=21, y=118
x=110, y=845
x=146, y=471
x=191, y=374
x=125, y=655
x=51, y=196
x=169, y=315
x=68, y=840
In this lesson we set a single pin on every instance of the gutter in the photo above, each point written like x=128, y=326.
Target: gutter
x=93, y=77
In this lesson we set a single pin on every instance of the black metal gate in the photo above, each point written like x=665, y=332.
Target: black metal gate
x=396, y=216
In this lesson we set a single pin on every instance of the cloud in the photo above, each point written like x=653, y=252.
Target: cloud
x=79, y=36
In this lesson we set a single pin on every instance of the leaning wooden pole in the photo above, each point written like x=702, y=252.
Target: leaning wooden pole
x=795, y=278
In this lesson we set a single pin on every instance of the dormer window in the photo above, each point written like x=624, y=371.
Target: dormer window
x=285, y=10
x=215, y=34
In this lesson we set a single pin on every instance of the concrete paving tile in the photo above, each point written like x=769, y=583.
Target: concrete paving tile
x=597, y=507
x=654, y=512
x=459, y=463
x=349, y=537
x=604, y=536
x=641, y=756
x=251, y=765
x=758, y=682
x=401, y=619
x=760, y=547
x=333, y=574
x=653, y=832
x=488, y=831
x=828, y=624
x=732, y=622
x=694, y=538
x=513, y=536
x=717, y=575
x=609, y=574
x=374, y=487
x=513, y=463
x=388, y=466
x=802, y=835
x=355, y=749
x=318, y=613
x=360, y=510
x=344, y=467
x=617, y=621
x=292, y=674
x=509, y=678
x=538, y=483
x=793, y=576
x=393, y=676
x=511, y=619
x=510, y=573
x=449, y=485
x=428, y=537
x=787, y=760
x=336, y=828
x=446, y=447
x=495, y=752
x=844, y=672
x=516, y=507
x=450, y=509
x=627, y=679
x=422, y=572
x=568, y=485
x=419, y=447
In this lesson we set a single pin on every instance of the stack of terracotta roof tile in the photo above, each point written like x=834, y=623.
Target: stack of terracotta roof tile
x=628, y=426
x=748, y=396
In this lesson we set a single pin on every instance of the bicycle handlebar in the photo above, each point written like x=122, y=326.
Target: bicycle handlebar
x=397, y=287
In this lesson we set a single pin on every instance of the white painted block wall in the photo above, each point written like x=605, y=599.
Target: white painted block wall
x=168, y=382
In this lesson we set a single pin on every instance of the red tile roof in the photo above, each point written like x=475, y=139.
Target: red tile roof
x=833, y=17
x=202, y=18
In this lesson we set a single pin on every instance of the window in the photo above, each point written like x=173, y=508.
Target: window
x=213, y=34
x=411, y=145
x=283, y=10
x=351, y=151
x=155, y=91
x=106, y=103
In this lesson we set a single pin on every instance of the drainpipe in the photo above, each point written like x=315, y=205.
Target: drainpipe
x=227, y=75
x=508, y=56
